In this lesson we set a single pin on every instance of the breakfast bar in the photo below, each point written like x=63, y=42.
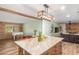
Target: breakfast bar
x=49, y=46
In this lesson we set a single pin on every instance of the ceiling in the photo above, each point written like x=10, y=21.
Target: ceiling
x=62, y=12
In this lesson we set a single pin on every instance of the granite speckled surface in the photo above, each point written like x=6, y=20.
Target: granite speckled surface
x=70, y=48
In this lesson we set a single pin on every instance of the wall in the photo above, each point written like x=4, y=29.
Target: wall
x=19, y=8
x=41, y=26
x=32, y=25
x=55, y=25
x=29, y=24
x=8, y=17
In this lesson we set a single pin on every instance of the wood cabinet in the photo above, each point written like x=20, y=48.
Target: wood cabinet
x=55, y=50
x=2, y=27
x=70, y=48
x=77, y=48
x=72, y=28
x=4, y=34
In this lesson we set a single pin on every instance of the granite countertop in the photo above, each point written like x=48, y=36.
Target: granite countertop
x=36, y=48
x=72, y=34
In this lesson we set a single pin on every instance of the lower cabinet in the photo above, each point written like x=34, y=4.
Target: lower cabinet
x=70, y=48
x=55, y=50
x=77, y=49
x=22, y=51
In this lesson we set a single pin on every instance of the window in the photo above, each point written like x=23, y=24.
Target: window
x=8, y=28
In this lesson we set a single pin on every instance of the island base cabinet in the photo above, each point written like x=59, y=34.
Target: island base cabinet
x=55, y=50
x=20, y=51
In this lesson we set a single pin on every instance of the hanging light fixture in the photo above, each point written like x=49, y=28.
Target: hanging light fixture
x=43, y=14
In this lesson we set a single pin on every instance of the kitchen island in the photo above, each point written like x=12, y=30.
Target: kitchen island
x=49, y=46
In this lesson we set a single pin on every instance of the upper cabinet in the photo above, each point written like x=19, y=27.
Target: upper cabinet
x=2, y=27
x=72, y=28
x=12, y=27
x=6, y=29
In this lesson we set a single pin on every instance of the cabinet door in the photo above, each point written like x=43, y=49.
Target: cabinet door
x=73, y=28
x=55, y=50
x=68, y=48
x=77, y=49
x=2, y=27
x=58, y=48
x=52, y=51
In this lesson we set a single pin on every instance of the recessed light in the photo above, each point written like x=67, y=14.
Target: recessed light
x=54, y=18
x=68, y=15
x=63, y=7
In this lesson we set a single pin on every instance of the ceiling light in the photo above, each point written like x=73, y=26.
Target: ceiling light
x=43, y=14
x=67, y=15
x=63, y=8
x=54, y=18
